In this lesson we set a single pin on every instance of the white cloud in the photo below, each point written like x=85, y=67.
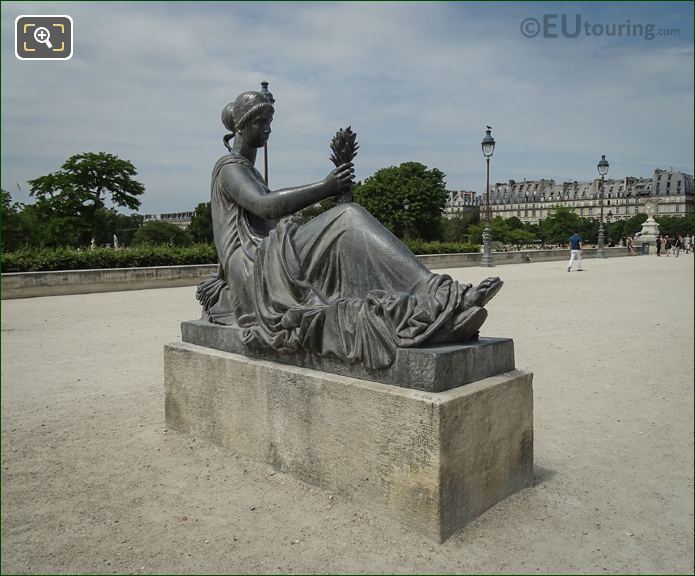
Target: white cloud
x=416, y=81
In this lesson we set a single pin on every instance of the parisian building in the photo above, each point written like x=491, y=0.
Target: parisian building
x=533, y=200
x=181, y=219
x=460, y=200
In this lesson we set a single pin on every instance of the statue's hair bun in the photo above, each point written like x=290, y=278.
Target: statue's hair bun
x=227, y=118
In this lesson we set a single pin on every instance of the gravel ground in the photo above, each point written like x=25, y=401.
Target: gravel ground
x=93, y=482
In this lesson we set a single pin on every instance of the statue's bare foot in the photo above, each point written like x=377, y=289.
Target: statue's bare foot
x=469, y=314
x=482, y=293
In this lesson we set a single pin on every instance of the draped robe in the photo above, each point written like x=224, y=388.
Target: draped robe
x=341, y=284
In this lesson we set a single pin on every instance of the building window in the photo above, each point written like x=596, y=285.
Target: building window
x=677, y=208
x=591, y=211
x=636, y=210
x=581, y=211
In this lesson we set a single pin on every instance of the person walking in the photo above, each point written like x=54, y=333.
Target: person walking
x=630, y=246
x=575, y=252
x=667, y=245
x=658, y=245
x=677, y=245
x=688, y=243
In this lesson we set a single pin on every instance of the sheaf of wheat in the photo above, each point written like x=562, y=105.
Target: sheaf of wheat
x=344, y=147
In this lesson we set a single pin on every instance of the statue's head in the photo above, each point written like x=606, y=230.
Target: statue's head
x=248, y=106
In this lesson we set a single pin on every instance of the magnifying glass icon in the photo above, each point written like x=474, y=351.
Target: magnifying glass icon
x=43, y=36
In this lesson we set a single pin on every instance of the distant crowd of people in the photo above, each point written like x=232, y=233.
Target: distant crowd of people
x=673, y=246
x=669, y=246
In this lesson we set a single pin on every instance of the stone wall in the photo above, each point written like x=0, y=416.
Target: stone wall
x=30, y=284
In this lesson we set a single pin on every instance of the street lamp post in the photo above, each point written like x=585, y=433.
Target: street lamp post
x=406, y=207
x=488, y=145
x=269, y=96
x=602, y=170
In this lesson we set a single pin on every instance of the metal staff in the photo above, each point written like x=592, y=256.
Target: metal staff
x=269, y=97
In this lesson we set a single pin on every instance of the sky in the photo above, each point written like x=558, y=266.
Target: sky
x=417, y=81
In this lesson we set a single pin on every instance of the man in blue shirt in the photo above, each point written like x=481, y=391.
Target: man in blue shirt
x=575, y=252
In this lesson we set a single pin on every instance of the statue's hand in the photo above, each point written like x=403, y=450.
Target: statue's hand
x=340, y=179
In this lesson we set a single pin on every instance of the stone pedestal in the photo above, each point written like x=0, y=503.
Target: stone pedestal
x=431, y=460
x=650, y=227
x=432, y=368
x=649, y=233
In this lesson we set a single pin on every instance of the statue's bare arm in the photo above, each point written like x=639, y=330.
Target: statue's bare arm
x=274, y=204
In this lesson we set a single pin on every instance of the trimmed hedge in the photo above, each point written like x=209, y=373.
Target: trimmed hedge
x=47, y=259
x=436, y=247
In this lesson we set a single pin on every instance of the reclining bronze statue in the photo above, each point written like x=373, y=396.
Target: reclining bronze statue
x=341, y=284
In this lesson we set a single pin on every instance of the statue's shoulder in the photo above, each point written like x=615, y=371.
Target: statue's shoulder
x=231, y=159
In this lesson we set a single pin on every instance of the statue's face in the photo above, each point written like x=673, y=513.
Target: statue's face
x=257, y=130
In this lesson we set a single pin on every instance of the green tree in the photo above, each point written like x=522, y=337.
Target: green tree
x=43, y=225
x=535, y=231
x=634, y=224
x=674, y=225
x=455, y=229
x=81, y=187
x=519, y=236
x=12, y=229
x=201, y=224
x=588, y=230
x=385, y=192
x=504, y=231
x=126, y=227
x=615, y=231
x=514, y=223
x=159, y=232
x=498, y=228
x=559, y=226
x=111, y=223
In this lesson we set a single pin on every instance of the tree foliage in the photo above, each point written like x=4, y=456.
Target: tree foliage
x=506, y=231
x=74, y=197
x=41, y=224
x=200, y=228
x=617, y=230
x=160, y=232
x=674, y=225
x=12, y=225
x=385, y=192
x=558, y=226
x=455, y=229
